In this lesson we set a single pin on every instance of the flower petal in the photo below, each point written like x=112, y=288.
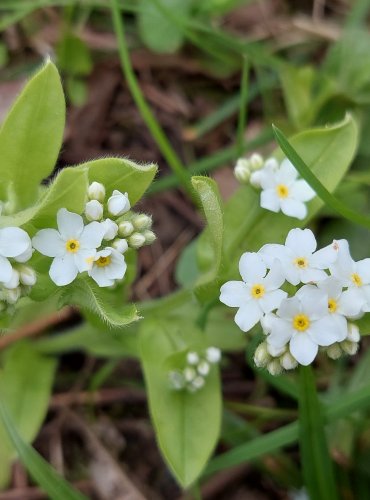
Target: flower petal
x=275, y=278
x=13, y=241
x=302, y=348
x=286, y=173
x=99, y=275
x=5, y=269
x=289, y=308
x=252, y=268
x=248, y=316
x=92, y=235
x=363, y=269
x=273, y=251
x=351, y=302
x=49, y=242
x=84, y=259
x=270, y=200
x=117, y=268
x=272, y=300
x=302, y=191
x=234, y=294
x=328, y=330
x=301, y=241
x=293, y=208
x=324, y=258
x=63, y=270
x=281, y=332
x=70, y=225
x=314, y=302
x=331, y=286
x=312, y=275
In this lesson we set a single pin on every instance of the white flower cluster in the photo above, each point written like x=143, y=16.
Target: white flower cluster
x=197, y=367
x=16, y=277
x=282, y=190
x=77, y=247
x=330, y=288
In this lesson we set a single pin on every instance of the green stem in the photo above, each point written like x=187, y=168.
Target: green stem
x=155, y=129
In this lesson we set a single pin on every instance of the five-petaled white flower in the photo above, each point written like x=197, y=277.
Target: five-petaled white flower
x=304, y=322
x=109, y=265
x=258, y=293
x=73, y=246
x=299, y=261
x=14, y=243
x=282, y=191
x=354, y=275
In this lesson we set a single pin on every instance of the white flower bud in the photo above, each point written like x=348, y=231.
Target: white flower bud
x=261, y=355
x=24, y=256
x=213, y=355
x=334, y=351
x=12, y=296
x=274, y=367
x=141, y=222
x=125, y=228
x=349, y=347
x=288, y=362
x=271, y=163
x=14, y=280
x=255, y=179
x=149, y=236
x=203, y=368
x=275, y=351
x=177, y=380
x=192, y=358
x=120, y=245
x=27, y=275
x=189, y=373
x=353, y=333
x=242, y=171
x=93, y=210
x=118, y=203
x=96, y=191
x=110, y=229
x=197, y=383
x=256, y=161
x=136, y=240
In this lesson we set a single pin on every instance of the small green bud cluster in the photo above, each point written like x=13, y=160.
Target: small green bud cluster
x=273, y=359
x=22, y=280
x=197, y=368
x=245, y=166
x=137, y=228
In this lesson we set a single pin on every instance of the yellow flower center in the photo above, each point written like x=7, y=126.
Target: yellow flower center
x=103, y=261
x=301, y=322
x=332, y=305
x=301, y=262
x=356, y=279
x=282, y=191
x=258, y=291
x=72, y=246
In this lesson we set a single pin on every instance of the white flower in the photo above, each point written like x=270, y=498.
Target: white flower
x=299, y=261
x=192, y=358
x=354, y=275
x=13, y=243
x=110, y=229
x=203, y=368
x=257, y=294
x=213, y=355
x=93, y=210
x=118, y=203
x=108, y=266
x=281, y=191
x=96, y=191
x=73, y=246
x=304, y=322
x=270, y=167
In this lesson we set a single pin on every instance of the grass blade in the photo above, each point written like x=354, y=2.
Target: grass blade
x=243, y=108
x=49, y=480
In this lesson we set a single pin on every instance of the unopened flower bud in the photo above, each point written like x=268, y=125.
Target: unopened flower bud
x=256, y=161
x=353, y=333
x=93, y=210
x=120, y=245
x=110, y=229
x=177, y=380
x=149, y=236
x=141, y=222
x=27, y=275
x=255, y=179
x=288, y=362
x=334, y=351
x=14, y=280
x=192, y=358
x=136, y=240
x=349, y=347
x=197, y=383
x=118, y=203
x=261, y=355
x=189, y=373
x=242, y=170
x=274, y=367
x=271, y=164
x=125, y=228
x=12, y=296
x=24, y=256
x=203, y=368
x=96, y=191
x=213, y=355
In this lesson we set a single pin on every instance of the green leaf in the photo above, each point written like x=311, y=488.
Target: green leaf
x=156, y=30
x=104, y=308
x=31, y=136
x=317, y=467
x=44, y=475
x=26, y=380
x=187, y=425
x=122, y=174
x=74, y=56
x=208, y=193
